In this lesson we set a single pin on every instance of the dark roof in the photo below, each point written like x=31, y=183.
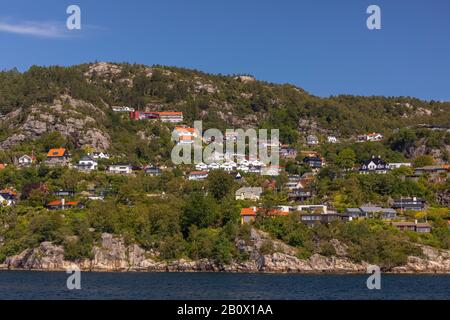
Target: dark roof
x=376, y=160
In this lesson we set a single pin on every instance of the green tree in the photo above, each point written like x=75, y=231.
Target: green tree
x=219, y=183
x=346, y=158
x=422, y=161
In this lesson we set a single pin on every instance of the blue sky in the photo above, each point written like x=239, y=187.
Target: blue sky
x=322, y=46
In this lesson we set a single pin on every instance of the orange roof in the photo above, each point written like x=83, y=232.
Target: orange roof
x=2, y=166
x=248, y=212
x=446, y=166
x=9, y=191
x=58, y=203
x=185, y=129
x=186, y=138
x=276, y=212
x=56, y=152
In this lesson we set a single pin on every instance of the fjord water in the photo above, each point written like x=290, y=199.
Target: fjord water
x=52, y=285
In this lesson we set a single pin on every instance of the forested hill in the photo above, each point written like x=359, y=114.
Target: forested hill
x=76, y=101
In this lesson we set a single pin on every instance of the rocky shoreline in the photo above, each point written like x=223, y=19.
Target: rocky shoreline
x=112, y=255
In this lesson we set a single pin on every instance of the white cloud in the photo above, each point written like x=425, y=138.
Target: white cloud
x=36, y=29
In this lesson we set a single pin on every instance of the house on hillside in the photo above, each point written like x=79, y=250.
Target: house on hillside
x=313, y=162
x=248, y=193
x=312, y=140
x=288, y=153
x=122, y=109
x=371, y=212
x=332, y=139
x=97, y=155
x=300, y=195
x=198, y=175
x=437, y=173
x=414, y=204
x=248, y=215
x=311, y=219
x=58, y=156
x=412, y=226
x=163, y=116
x=373, y=137
x=88, y=164
x=374, y=165
x=26, y=160
x=171, y=116
x=7, y=197
x=120, y=168
x=201, y=166
x=63, y=205
x=64, y=193
x=397, y=165
x=153, y=171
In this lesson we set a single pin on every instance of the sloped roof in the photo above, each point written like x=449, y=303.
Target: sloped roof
x=59, y=152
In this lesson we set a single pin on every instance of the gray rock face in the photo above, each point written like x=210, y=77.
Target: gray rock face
x=66, y=115
x=112, y=254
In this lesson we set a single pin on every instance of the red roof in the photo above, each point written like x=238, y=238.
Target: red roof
x=275, y=212
x=248, y=212
x=199, y=172
x=59, y=203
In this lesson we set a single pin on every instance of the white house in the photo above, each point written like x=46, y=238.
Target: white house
x=122, y=109
x=374, y=137
x=7, y=198
x=312, y=140
x=226, y=167
x=86, y=163
x=26, y=160
x=253, y=169
x=98, y=155
x=120, y=168
x=396, y=165
x=213, y=166
x=244, y=162
x=248, y=193
x=271, y=171
x=374, y=165
x=201, y=166
x=370, y=137
x=332, y=139
x=257, y=163
x=198, y=175
x=243, y=168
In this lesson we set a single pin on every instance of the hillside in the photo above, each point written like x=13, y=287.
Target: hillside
x=55, y=208
x=76, y=101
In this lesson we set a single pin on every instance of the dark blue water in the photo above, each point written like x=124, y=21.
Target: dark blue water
x=52, y=285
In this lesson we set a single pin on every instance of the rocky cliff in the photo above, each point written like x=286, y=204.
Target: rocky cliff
x=113, y=255
x=71, y=117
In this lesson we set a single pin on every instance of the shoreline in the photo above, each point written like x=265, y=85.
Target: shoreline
x=314, y=273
